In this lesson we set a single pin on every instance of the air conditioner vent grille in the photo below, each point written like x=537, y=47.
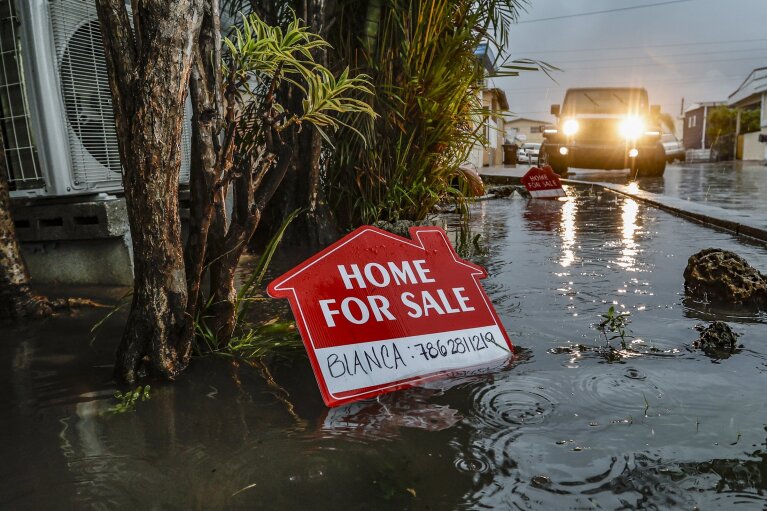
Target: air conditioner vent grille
x=85, y=93
x=22, y=162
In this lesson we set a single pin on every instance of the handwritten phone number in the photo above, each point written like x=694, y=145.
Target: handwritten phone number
x=457, y=346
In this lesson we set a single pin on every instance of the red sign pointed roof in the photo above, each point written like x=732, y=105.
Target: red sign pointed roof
x=373, y=290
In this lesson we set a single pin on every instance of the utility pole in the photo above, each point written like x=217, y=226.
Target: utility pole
x=737, y=132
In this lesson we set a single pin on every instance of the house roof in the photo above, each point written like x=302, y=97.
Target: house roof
x=751, y=89
x=501, y=95
x=486, y=55
x=701, y=104
x=516, y=119
x=425, y=242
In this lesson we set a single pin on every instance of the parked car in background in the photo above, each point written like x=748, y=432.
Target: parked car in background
x=673, y=147
x=531, y=152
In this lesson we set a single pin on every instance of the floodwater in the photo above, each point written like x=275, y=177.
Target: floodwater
x=735, y=185
x=657, y=426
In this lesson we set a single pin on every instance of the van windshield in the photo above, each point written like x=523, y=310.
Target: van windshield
x=605, y=101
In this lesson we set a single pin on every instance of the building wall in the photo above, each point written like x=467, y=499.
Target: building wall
x=494, y=130
x=532, y=129
x=764, y=110
x=692, y=129
x=752, y=148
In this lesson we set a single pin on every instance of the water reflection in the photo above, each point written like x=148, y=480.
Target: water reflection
x=629, y=212
x=384, y=417
x=567, y=231
x=633, y=187
x=739, y=186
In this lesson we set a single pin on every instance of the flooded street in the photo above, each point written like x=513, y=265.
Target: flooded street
x=734, y=185
x=657, y=426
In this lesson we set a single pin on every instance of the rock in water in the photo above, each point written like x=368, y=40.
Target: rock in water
x=717, y=340
x=500, y=190
x=722, y=276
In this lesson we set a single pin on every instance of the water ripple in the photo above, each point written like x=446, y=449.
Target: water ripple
x=503, y=404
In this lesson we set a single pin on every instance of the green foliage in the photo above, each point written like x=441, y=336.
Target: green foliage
x=261, y=56
x=613, y=326
x=428, y=83
x=722, y=121
x=273, y=85
x=248, y=289
x=127, y=401
x=749, y=121
x=273, y=337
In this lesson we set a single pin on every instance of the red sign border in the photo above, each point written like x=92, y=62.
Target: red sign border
x=330, y=399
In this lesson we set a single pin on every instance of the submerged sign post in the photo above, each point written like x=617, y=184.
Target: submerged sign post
x=543, y=183
x=379, y=312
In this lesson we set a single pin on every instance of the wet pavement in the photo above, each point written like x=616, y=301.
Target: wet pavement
x=740, y=187
x=656, y=426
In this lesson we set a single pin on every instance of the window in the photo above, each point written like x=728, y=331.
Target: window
x=691, y=121
x=535, y=129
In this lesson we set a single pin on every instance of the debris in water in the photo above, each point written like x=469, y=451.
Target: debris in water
x=717, y=340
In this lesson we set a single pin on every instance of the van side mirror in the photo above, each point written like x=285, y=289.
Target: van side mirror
x=655, y=110
x=555, y=110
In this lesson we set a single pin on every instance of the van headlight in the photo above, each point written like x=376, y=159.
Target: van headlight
x=632, y=127
x=570, y=127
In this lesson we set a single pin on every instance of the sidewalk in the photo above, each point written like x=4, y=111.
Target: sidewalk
x=503, y=171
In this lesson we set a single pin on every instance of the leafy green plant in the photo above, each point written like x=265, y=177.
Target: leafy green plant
x=613, y=326
x=428, y=84
x=260, y=57
x=251, y=148
x=127, y=401
x=275, y=336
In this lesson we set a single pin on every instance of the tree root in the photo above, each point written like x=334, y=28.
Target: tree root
x=24, y=304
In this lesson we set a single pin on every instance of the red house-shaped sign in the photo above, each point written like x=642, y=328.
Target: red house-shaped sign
x=379, y=312
x=543, y=183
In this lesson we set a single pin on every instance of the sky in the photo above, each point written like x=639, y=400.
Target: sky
x=699, y=50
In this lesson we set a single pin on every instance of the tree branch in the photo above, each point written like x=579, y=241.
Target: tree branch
x=120, y=52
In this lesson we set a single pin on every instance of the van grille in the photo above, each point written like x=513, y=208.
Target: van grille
x=598, y=130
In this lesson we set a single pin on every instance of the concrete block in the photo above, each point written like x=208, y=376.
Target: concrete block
x=75, y=243
x=105, y=261
x=52, y=221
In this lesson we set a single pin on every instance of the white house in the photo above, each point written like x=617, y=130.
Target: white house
x=494, y=102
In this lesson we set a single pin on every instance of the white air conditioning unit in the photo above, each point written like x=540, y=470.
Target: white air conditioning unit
x=55, y=103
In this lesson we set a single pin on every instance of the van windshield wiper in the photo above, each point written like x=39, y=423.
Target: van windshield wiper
x=590, y=98
x=619, y=99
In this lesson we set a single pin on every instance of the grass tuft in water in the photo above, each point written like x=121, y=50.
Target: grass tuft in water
x=127, y=401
